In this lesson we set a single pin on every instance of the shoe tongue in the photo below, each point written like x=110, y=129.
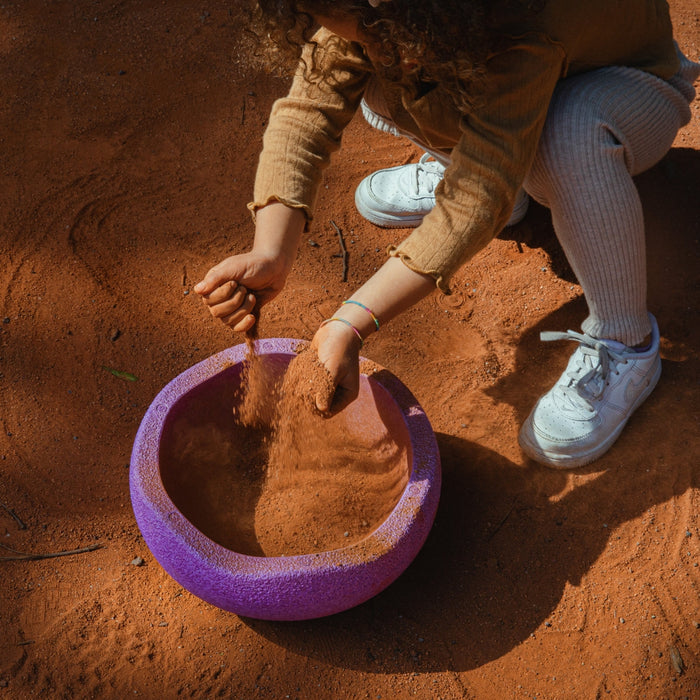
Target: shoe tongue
x=425, y=183
x=577, y=395
x=427, y=179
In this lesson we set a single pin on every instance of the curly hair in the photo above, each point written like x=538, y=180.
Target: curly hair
x=414, y=41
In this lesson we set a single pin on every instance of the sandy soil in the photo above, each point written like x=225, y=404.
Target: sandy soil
x=129, y=133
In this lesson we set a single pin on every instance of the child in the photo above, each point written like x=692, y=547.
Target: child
x=566, y=101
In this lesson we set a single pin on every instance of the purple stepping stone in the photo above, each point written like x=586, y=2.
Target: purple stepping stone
x=294, y=587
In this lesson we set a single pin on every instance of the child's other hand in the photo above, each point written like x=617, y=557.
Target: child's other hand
x=338, y=349
x=238, y=285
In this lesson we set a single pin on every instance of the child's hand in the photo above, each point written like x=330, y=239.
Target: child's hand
x=338, y=349
x=238, y=285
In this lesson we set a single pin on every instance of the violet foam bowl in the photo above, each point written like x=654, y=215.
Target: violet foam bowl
x=301, y=586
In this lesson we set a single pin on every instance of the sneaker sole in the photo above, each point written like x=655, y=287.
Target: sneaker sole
x=384, y=220
x=559, y=461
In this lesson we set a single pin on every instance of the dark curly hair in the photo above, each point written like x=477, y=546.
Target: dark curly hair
x=426, y=41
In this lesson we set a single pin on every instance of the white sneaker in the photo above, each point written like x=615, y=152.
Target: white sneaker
x=584, y=413
x=400, y=197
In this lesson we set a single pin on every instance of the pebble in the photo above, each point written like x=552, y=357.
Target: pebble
x=137, y=561
x=677, y=662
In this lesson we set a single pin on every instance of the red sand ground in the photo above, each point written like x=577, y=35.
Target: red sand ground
x=129, y=133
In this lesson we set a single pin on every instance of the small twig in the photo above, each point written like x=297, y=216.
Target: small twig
x=9, y=549
x=14, y=516
x=503, y=521
x=52, y=555
x=343, y=251
x=243, y=112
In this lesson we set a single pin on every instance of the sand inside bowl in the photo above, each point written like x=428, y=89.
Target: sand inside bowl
x=280, y=479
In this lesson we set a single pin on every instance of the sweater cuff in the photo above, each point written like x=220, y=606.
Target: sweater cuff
x=254, y=207
x=440, y=282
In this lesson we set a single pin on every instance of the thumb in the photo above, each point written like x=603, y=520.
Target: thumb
x=324, y=399
x=324, y=386
x=225, y=271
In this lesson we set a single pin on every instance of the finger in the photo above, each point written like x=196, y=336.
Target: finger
x=224, y=293
x=342, y=398
x=246, y=324
x=217, y=276
x=239, y=316
x=324, y=391
x=227, y=306
x=210, y=282
x=331, y=399
x=331, y=403
x=324, y=399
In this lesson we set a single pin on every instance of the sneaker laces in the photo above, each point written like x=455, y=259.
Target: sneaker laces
x=427, y=175
x=589, y=374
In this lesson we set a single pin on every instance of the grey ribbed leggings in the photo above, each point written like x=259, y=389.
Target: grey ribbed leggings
x=602, y=128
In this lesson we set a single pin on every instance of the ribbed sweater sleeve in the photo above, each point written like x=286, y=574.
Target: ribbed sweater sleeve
x=306, y=126
x=489, y=162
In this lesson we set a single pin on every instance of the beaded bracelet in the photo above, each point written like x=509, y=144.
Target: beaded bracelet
x=366, y=308
x=347, y=323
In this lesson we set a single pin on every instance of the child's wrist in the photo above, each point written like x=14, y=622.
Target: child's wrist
x=278, y=230
x=350, y=328
x=359, y=317
x=280, y=258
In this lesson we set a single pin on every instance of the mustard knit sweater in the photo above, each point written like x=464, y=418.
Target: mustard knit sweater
x=491, y=146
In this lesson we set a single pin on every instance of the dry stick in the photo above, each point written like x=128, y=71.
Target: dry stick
x=14, y=516
x=503, y=521
x=52, y=555
x=343, y=251
x=9, y=549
